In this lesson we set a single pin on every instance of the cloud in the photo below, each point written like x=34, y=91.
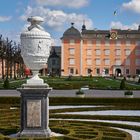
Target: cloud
x=133, y=5
x=57, y=19
x=64, y=3
x=11, y=34
x=5, y=18
x=119, y=25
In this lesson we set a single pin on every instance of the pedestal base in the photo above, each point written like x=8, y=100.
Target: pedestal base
x=34, y=111
x=35, y=133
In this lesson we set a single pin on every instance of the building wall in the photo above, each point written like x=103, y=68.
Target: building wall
x=89, y=51
x=71, y=57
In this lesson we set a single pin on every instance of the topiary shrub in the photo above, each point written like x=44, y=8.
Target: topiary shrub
x=80, y=92
x=122, y=84
x=129, y=92
x=6, y=84
x=139, y=80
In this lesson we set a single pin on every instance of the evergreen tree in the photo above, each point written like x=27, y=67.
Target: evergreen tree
x=122, y=84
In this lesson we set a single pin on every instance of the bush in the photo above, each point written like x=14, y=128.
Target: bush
x=6, y=84
x=139, y=80
x=129, y=92
x=80, y=92
x=122, y=84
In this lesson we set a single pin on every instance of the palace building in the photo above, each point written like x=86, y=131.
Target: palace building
x=100, y=52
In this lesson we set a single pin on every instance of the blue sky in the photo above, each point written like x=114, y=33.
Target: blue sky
x=58, y=15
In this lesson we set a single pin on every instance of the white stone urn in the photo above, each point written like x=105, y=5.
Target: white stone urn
x=35, y=48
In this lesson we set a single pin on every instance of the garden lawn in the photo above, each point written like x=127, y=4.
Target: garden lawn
x=77, y=83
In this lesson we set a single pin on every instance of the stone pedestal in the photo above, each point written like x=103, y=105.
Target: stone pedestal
x=34, y=111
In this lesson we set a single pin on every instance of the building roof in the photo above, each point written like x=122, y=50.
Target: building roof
x=72, y=32
x=127, y=34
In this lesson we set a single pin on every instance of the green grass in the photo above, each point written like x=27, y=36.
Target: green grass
x=77, y=82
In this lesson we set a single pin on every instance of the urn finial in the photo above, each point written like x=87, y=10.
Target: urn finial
x=35, y=22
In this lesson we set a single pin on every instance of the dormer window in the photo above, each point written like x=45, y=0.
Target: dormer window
x=72, y=42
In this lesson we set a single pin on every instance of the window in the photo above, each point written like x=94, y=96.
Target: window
x=72, y=42
x=118, y=62
x=107, y=62
x=106, y=70
x=71, y=71
x=107, y=43
x=89, y=71
x=138, y=71
x=137, y=62
x=127, y=61
x=118, y=52
x=137, y=43
x=98, y=52
x=127, y=52
x=107, y=52
x=127, y=71
x=118, y=43
x=89, y=62
x=127, y=43
x=71, y=51
x=89, y=42
x=98, y=43
x=98, y=61
x=89, y=52
x=97, y=70
x=137, y=52
x=71, y=61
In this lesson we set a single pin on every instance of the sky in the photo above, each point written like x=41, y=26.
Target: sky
x=58, y=15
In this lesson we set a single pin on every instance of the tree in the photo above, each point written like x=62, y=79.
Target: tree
x=139, y=80
x=122, y=84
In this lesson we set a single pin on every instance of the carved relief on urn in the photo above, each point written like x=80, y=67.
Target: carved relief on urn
x=35, y=49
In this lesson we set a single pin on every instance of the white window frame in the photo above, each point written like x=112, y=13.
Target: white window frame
x=72, y=51
x=89, y=42
x=107, y=43
x=98, y=43
x=89, y=52
x=72, y=42
x=107, y=61
x=98, y=61
x=118, y=43
x=127, y=43
x=117, y=52
x=89, y=62
x=98, y=52
x=127, y=52
x=72, y=61
x=107, y=52
x=118, y=62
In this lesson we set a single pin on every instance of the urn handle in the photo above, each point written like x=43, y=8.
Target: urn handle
x=35, y=23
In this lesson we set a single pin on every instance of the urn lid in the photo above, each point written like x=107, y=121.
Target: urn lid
x=35, y=30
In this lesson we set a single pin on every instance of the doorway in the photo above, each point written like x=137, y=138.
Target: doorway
x=118, y=72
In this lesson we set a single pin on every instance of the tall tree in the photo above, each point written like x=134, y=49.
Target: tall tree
x=2, y=55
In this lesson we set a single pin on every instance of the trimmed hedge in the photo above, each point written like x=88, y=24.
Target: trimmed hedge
x=76, y=101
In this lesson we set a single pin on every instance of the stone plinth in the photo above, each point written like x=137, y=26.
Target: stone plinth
x=34, y=111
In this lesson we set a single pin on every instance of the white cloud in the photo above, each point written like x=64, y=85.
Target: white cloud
x=57, y=19
x=5, y=18
x=11, y=34
x=56, y=42
x=65, y=3
x=119, y=25
x=133, y=5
